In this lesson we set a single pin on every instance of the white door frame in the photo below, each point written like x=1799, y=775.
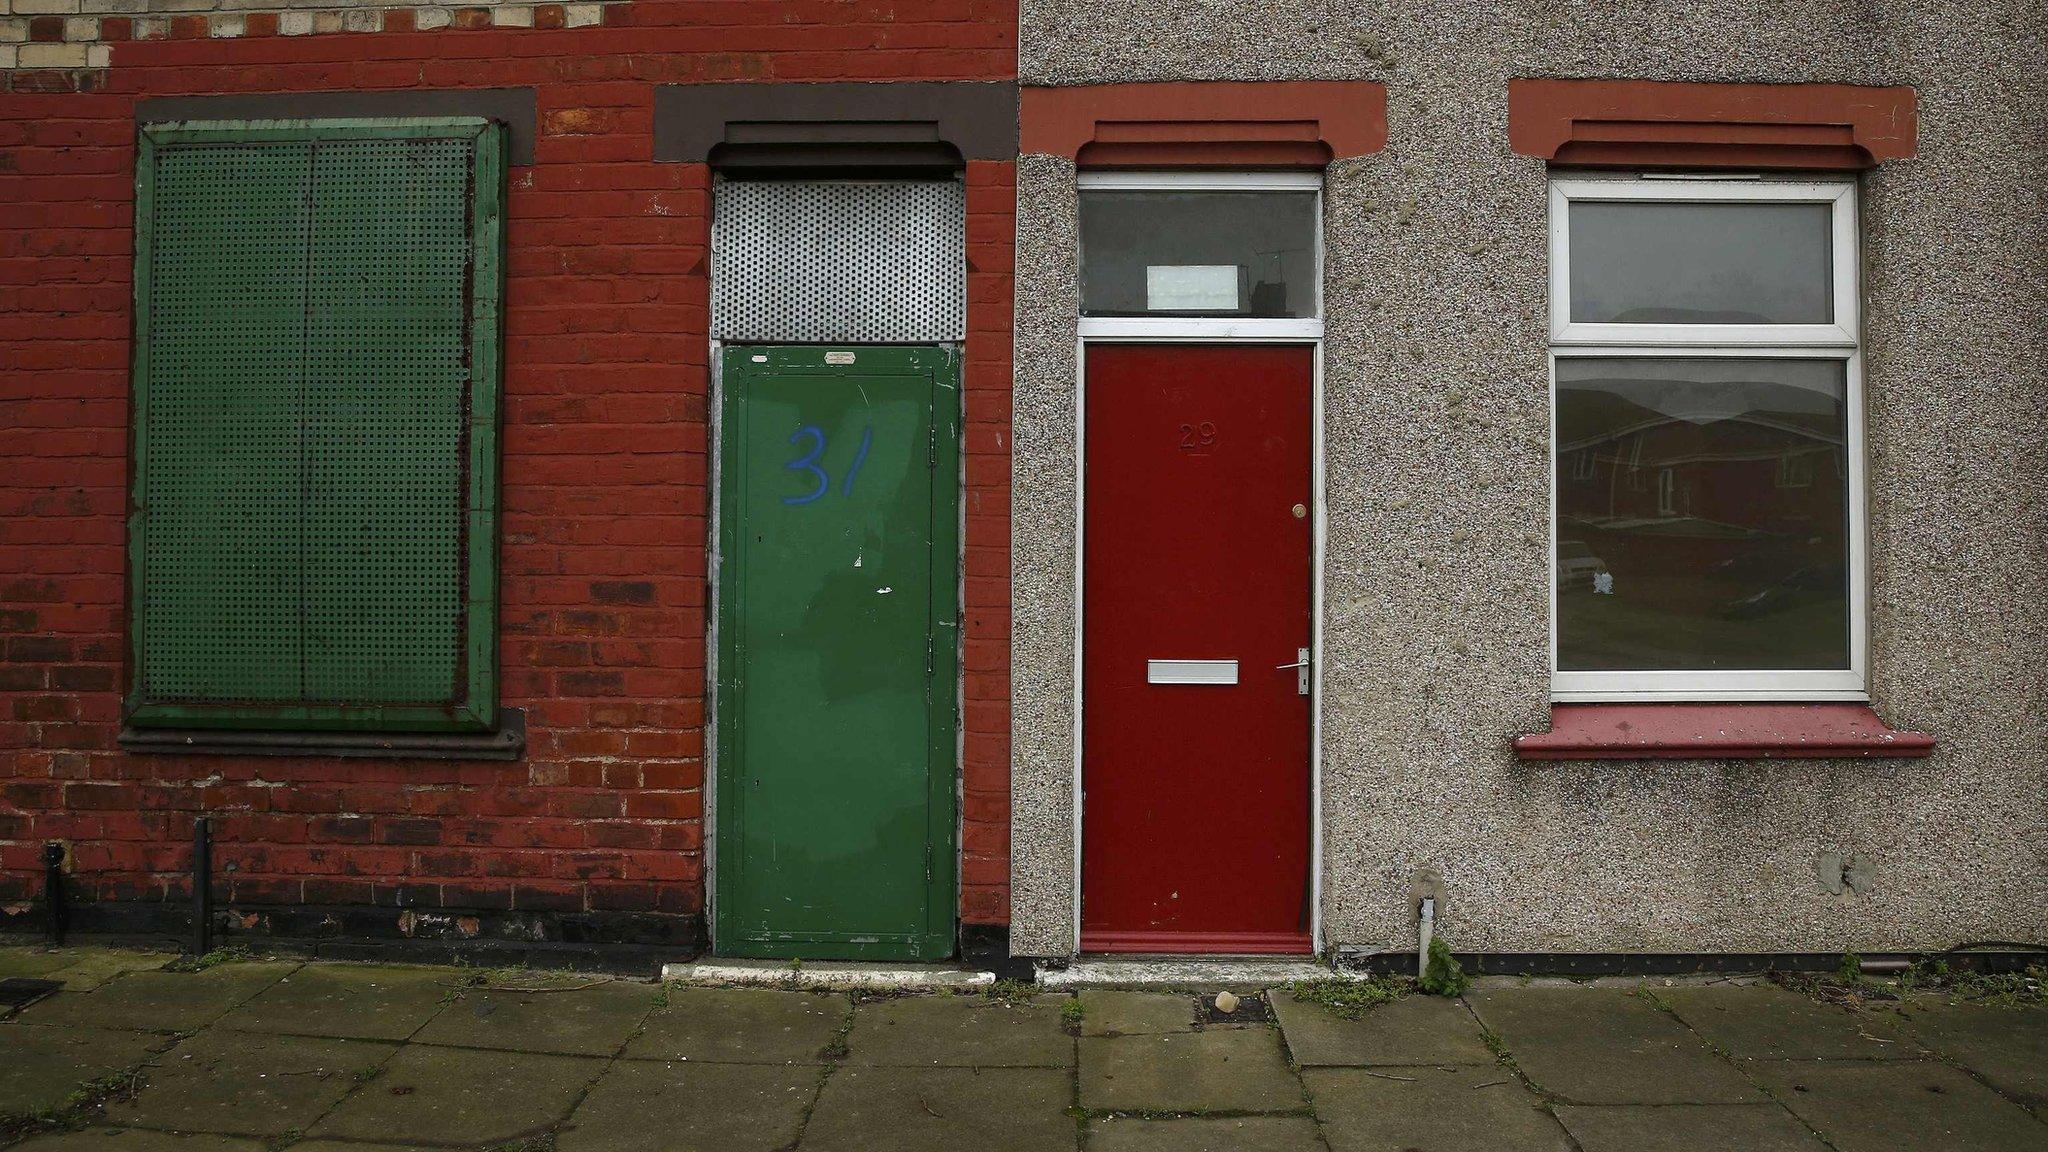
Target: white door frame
x=1221, y=331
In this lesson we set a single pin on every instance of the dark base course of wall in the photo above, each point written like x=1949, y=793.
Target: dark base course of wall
x=624, y=942
x=1991, y=957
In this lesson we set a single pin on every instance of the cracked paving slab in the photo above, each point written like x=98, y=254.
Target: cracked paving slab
x=159, y=1001
x=244, y=1085
x=1218, y=1070
x=960, y=1032
x=1764, y=1022
x=649, y=1106
x=943, y=1110
x=1607, y=1046
x=348, y=1001
x=461, y=1096
x=742, y=1026
x=42, y=1065
x=1471, y=1109
x=1687, y=1128
x=1887, y=1105
x=1411, y=1030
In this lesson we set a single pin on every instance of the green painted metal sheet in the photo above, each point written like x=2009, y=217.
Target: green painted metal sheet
x=313, y=539
x=219, y=496
x=838, y=639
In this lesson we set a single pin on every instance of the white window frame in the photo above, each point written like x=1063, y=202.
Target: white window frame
x=1834, y=341
x=1837, y=195
x=1205, y=327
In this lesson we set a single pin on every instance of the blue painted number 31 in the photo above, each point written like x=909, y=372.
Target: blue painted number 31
x=808, y=463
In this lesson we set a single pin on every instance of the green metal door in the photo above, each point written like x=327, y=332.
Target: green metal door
x=837, y=634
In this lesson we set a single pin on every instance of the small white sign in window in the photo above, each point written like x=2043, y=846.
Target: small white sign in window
x=1192, y=288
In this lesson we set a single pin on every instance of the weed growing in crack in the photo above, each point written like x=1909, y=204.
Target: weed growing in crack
x=1351, y=999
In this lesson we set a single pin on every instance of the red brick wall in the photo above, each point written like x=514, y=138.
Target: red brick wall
x=604, y=493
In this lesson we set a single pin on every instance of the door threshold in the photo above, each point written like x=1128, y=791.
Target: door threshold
x=1186, y=971
x=836, y=975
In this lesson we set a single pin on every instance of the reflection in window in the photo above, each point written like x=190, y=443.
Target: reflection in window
x=1638, y=262
x=1172, y=253
x=1735, y=556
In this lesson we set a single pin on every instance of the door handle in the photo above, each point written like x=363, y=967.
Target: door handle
x=1300, y=666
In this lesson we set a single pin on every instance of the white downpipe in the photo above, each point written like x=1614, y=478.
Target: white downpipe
x=1428, y=931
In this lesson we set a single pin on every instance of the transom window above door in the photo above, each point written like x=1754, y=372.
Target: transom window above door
x=1235, y=252
x=1707, y=401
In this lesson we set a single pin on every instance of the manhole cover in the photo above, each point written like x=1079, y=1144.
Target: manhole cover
x=1251, y=1009
x=17, y=992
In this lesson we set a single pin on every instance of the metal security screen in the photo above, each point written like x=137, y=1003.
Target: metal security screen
x=853, y=262
x=313, y=541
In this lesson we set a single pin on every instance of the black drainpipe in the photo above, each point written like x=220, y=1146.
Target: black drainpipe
x=53, y=890
x=202, y=887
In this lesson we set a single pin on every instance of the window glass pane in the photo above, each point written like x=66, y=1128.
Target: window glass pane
x=1198, y=254
x=1665, y=263
x=1702, y=514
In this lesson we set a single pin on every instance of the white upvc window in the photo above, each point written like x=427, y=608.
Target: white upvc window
x=1201, y=255
x=1705, y=359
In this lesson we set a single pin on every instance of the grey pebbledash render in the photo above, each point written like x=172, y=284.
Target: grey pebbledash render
x=1435, y=610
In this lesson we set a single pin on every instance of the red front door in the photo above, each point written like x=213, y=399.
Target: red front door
x=1196, y=552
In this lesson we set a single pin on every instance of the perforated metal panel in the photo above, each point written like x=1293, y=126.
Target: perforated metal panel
x=386, y=385
x=317, y=360
x=219, y=492
x=818, y=261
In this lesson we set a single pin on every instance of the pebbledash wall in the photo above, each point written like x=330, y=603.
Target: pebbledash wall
x=598, y=830
x=1436, y=442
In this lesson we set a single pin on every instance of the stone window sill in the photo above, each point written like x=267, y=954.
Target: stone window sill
x=507, y=742
x=1719, y=731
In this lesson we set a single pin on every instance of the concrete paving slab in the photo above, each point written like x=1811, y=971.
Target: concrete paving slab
x=2008, y=1047
x=1471, y=1109
x=33, y=962
x=1205, y=1134
x=158, y=1001
x=1220, y=1070
x=138, y=1140
x=692, y=1107
x=960, y=1032
x=242, y=1085
x=92, y=967
x=348, y=1001
x=1888, y=1105
x=943, y=1110
x=742, y=1026
x=1765, y=1022
x=1608, y=1046
x=461, y=1096
x=1110, y=1013
x=1412, y=1030
x=1687, y=1128
x=41, y=1066
x=577, y=1021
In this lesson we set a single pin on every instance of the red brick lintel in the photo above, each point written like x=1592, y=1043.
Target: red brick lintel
x=1654, y=124
x=1295, y=124
x=1741, y=731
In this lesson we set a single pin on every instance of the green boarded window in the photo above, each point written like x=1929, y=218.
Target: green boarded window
x=313, y=537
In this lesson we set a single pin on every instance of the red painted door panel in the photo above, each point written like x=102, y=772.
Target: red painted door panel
x=1195, y=810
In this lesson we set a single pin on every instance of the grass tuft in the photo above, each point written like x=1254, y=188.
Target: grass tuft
x=1351, y=999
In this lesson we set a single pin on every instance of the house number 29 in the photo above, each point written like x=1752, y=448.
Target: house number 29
x=807, y=463
x=1195, y=437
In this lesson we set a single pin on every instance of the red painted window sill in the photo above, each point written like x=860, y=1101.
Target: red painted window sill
x=1740, y=731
